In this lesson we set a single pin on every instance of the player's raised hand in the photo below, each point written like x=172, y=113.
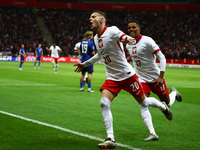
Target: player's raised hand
x=79, y=67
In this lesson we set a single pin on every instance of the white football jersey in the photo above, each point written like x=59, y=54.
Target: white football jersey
x=144, y=59
x=77, y=46
x=110, y=48
x=54, y=51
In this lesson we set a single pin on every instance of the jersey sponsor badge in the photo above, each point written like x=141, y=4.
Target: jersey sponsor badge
x=134, y=50
x=100, y=42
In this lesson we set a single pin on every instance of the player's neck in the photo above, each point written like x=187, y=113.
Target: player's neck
x=138, y=37
x=100, y=30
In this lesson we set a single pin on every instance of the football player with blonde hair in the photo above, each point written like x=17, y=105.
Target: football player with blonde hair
x=87, y=50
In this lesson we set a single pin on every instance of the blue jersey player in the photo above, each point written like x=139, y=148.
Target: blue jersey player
x=23, y=54
x=87, y=50
x=38, y=54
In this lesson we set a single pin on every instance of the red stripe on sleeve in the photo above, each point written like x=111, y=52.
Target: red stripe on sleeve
x=122, y=36
x=156, y=51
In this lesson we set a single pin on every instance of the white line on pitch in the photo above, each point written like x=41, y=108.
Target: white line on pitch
x=66, y=130
x=191, y=87
x=29, y=84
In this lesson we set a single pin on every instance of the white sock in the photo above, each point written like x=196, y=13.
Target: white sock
x=107, y=116
x=85, y=77
x=172, y=97
x=146, y=116
x=53, y=63
x=153, y=102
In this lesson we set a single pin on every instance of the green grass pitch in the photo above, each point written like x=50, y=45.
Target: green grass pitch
x=42, y=95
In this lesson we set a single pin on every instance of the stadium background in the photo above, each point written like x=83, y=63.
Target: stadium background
x=174, y=25
x=40, y=94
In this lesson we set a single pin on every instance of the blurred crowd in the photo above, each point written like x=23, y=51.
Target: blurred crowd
x=176, y=32
x=18, y=25
x=67, y=26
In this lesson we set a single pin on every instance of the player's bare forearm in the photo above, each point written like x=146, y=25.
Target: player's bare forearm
x=162, y=74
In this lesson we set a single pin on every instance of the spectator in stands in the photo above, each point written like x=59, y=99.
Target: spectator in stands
x=178, y=31
x=19, y=25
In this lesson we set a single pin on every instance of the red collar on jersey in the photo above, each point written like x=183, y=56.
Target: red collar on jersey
x=139, y=39
x=104, y=29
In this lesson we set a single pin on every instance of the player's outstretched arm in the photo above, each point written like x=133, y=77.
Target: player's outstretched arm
x=161, y=57
x=80, y=66
x=129, y=40
x=90, y=61
x=47, y=49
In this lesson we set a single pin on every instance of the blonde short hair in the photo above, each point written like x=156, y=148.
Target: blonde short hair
x=101, y=13
x=88, y=34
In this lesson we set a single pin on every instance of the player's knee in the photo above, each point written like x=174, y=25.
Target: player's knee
x=147, y=94
x=105, y=102
x=144, y=103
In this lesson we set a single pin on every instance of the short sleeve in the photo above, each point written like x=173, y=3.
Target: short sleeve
x=151, y=45
x=116, y=33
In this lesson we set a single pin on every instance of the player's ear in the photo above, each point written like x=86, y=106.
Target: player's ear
x=102, y=20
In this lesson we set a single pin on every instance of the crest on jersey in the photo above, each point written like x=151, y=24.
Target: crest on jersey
x=100, y=42
x=134, y=50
